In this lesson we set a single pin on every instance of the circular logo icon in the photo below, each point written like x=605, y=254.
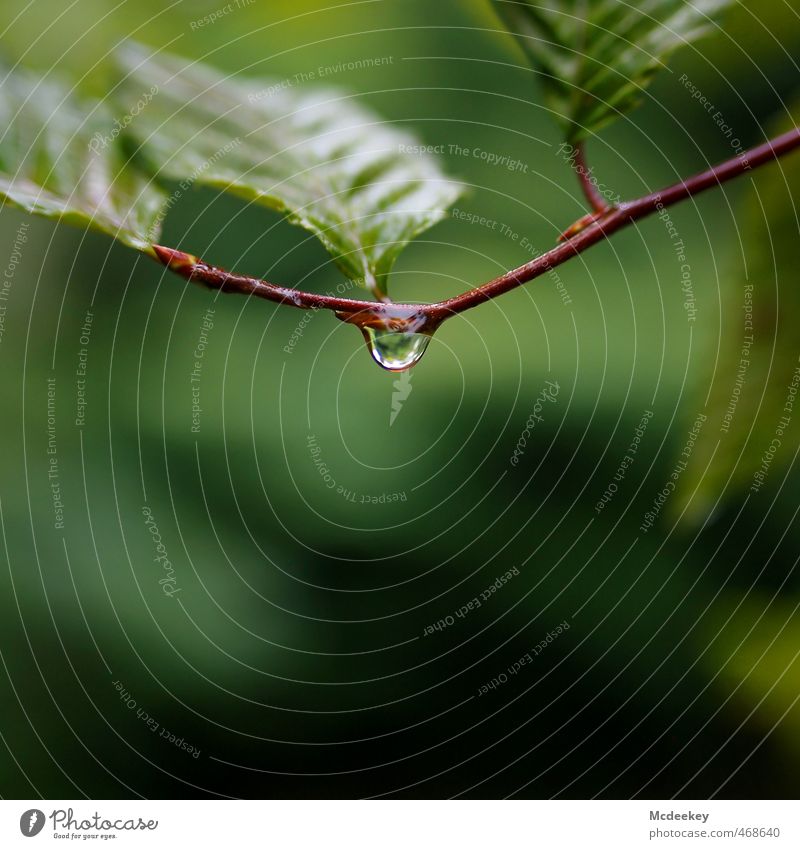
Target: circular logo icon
x=31, y=822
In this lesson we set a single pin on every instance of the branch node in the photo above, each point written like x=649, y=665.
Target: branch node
x=586, y=221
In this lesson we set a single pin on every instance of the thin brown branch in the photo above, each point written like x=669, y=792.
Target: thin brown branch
x=585, y=177
x=622, y=216
x=589, y=231
x=195, y=269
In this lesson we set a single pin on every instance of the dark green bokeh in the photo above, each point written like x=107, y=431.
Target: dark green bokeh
x=295, y=647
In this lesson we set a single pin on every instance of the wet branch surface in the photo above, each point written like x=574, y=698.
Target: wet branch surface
x=587, y=231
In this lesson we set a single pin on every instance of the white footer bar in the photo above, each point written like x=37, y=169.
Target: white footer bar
x=402, y=824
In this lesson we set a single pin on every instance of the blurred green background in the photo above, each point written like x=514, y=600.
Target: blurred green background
x=295, y=656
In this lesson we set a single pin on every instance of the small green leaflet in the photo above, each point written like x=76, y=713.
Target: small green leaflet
x=62, y=157
x=596, y=57
x=753, y=406
x=332, y=166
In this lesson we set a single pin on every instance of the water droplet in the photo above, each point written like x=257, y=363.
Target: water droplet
x=396, y=337
x=395, y=351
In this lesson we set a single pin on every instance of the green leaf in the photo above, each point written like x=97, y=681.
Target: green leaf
x=61, y=157
x=596, y=57
x=750, y=643
x=332, y=166
x=753, y=382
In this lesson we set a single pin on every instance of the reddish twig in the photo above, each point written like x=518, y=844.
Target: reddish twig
x=590, y=190
x=195, y=269
x=585, y=233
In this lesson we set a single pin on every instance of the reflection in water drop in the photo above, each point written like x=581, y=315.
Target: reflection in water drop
x=397, y=337
x=395, y=351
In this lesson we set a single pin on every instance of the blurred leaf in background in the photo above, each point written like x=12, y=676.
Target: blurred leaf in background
x=752, y=380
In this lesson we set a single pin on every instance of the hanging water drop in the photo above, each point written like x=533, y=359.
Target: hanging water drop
x=393, y=350
x=396, y=337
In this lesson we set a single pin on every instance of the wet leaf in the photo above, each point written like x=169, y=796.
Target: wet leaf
x=596, y=57
x=62, y=157
x=332, y=166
